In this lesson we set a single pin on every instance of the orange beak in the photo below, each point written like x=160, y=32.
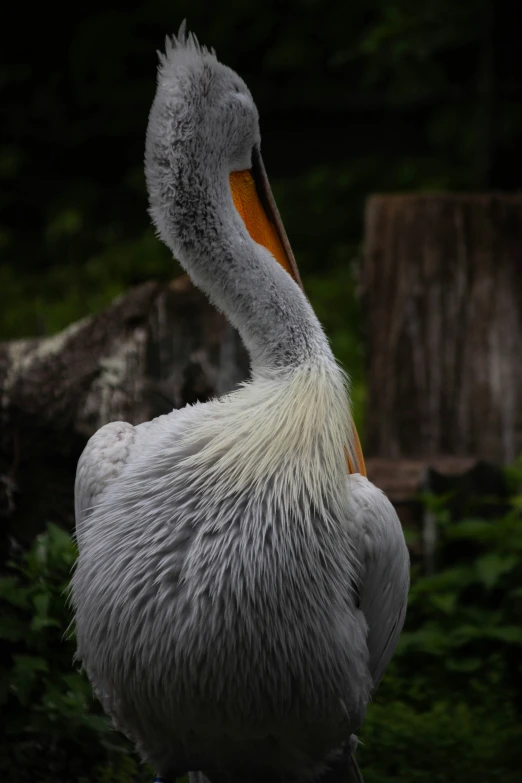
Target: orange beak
x=255, y=203
x=354, y=455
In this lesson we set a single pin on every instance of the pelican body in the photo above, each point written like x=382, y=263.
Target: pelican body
x=238, y=592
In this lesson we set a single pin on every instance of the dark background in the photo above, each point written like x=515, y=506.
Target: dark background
x=355, y=98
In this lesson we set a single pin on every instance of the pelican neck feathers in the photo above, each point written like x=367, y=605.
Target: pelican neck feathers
x=286, y=433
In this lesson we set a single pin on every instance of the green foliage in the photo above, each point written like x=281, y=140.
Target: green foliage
x=450, y=741
x=50, y=721
x=449, y=707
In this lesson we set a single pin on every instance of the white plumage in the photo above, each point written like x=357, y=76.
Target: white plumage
x=237, y=595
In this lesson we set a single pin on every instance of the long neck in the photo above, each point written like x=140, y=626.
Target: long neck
x=196, y=217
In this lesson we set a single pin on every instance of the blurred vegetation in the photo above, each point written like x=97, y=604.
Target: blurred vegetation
x=354, y=98
x=50, y=719
x=449, y=707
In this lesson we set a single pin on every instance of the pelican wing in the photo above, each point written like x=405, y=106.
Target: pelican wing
x=385, y=571
x=101, y=462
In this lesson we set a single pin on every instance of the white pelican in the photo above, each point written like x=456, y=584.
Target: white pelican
x=238, y=593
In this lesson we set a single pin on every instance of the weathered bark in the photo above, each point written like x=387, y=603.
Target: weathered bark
x=442, y=287
x=155, y=349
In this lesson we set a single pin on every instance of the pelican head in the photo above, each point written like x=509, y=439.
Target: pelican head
x=204, y=136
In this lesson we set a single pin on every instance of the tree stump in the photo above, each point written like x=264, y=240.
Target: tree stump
x=157, y=348
x=442, y=288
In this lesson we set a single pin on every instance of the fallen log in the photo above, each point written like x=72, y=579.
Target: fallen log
x=157, y=348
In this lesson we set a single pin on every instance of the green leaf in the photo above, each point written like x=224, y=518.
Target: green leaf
x=506, y=633
x=474, y=529
x=12, y=629
x=491, y=567
x=14, y=593
x=26, y=671
x=446, y=602
x=465, y=665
